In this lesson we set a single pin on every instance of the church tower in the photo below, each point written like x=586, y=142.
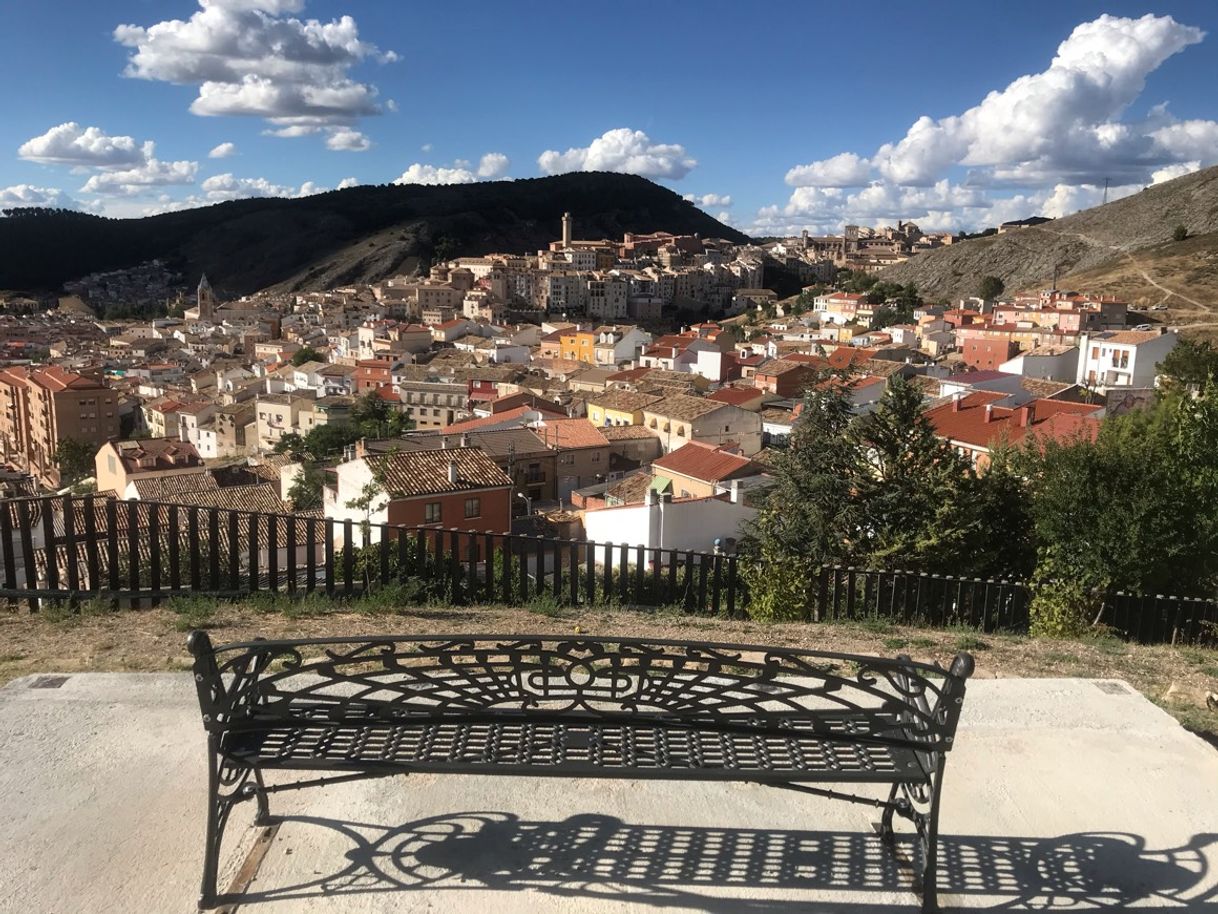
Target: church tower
x=206, y=300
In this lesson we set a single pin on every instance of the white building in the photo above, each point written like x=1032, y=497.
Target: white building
x=1122, y=358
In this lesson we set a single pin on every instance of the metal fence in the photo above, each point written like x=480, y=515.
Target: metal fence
x=140, y=553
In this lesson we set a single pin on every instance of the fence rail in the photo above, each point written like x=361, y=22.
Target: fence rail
x=55, y=548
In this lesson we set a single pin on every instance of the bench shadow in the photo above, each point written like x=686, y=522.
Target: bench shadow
x=722, y=870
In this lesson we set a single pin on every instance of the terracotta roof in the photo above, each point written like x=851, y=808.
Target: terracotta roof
x=680, y=406
x=966, y=420
x=571, y=434
x=158, y=488
x=1127, y=337
x=736, y=396
x=412, y=473
x=623, y=400
x=504, y=419
x=704, y=462
x=625, y=433
x=262, y=498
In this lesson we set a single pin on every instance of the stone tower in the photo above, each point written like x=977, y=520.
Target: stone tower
x=206, y=300
x=566, y=230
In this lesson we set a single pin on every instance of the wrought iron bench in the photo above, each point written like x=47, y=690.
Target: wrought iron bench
x=575, y=707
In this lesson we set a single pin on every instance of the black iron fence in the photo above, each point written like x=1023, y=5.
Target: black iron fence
x=140, y=553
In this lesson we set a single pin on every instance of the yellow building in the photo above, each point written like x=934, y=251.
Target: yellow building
x=579, y=345
x=619, y=407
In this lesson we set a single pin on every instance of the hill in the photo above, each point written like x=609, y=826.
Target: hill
x=360, y=234
x=1124, y=247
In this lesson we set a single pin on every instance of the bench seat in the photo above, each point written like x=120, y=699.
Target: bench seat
x=829, y=747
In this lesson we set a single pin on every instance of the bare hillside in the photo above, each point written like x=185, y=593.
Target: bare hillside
x=1095, y=243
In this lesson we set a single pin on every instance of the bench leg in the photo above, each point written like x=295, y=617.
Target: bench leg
x=887, y=835
x=227, y=786
x=928, y=830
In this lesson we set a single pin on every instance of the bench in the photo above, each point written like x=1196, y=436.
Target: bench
x=575, y=707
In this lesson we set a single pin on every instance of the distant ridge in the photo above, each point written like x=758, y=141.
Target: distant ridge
x=360, y=234
x=1089, y=242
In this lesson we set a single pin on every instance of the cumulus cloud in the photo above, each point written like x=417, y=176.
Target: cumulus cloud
x=253, y=58
x=621, y=150
x=1171, y=172
x=843, y=170
x=88, y=147
x=18, y=195
x=344, y=138
x=706, y=201
x=418, y=173
x=347, y=182
x=223, y=151
x=493, y=165
x=229, y=187
x=131, y=181
x=1046, y=143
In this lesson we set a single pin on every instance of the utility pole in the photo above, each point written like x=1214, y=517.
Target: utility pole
x=1105, y=192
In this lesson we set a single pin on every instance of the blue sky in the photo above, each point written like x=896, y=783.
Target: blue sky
x=775, y=116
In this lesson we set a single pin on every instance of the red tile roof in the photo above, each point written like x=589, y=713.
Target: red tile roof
x=506, y=418
x=966, y=421
x=571, y=434
x=736, y=396
x=704, y=462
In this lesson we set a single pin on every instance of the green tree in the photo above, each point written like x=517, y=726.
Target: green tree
x=914, y=493
x=305, y=492
x=1180, y=233
x=307, y=354
x=990, y=287
x=1191, y=364
x=74, y=459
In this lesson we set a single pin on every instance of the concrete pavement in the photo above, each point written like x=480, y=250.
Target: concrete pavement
x=1075, y=794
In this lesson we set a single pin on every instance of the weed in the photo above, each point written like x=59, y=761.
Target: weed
x=894, y=644
x=1109, y=644
x=544, y=604
x=923, y=643
x=192, y=612
x=59, y=612
x=875, y=626
x=971, y=643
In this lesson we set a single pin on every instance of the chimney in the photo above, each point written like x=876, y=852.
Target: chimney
x=444, y=442
x=464, y=439
x=1025, y=416
x=452, y=471
x=735, y=490
x=989, y=412
x=956, y=403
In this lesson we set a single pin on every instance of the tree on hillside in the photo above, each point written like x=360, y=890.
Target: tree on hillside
x=74, y=459
x=990, y=287
x=1180, y=233
x=307, y=354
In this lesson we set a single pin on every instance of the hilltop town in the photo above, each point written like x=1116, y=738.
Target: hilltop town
x=577, y=387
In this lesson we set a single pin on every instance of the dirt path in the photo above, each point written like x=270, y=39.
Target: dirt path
x=1119, y=249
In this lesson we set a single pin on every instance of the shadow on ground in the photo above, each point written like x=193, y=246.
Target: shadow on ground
x=595, y=856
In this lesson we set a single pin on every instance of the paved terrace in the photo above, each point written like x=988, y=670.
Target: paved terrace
x=1073, y=794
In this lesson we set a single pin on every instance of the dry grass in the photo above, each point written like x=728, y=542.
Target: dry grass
x=1176, y=678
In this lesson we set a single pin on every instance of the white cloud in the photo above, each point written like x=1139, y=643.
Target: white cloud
x=1046, y=143
x=229, y=187
x=223, y=151
x=725, y=217
x=131, y=181
x=493, y=165
x=1170, y=172
x=18, y=195
x=621, y=150
x=347, y=182
x=843, y=170
x=251, y=58
x=708, y=200
x=90, y=147
x=418, y=173
x=344, y=138
x=426, y=147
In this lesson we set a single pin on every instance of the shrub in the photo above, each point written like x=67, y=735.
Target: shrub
x=1180, y=233
x=779, y=591
x=1061, y=609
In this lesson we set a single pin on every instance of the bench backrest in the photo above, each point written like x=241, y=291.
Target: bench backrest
x=725, y=686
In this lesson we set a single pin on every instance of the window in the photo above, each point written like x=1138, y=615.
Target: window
x=473, y=507
x=431, y=512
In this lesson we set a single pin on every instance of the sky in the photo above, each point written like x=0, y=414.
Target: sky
x=771, y=116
